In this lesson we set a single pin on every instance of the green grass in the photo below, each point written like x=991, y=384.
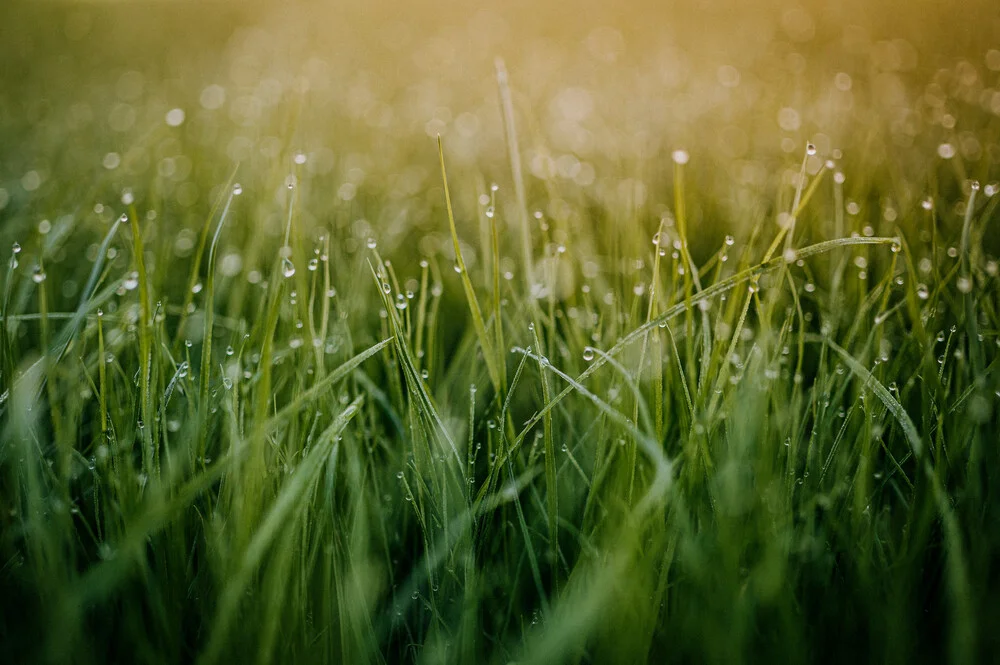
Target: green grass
x=731, y=419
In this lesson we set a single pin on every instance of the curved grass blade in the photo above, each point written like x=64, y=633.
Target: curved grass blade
x=282, y=511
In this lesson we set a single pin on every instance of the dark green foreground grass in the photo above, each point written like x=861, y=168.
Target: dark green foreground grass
x=708, y=419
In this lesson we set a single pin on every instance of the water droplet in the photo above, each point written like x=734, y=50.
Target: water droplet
x=458, y=268
x=680, y=157
x=313, y=265
x=287, y=268
x=386, y=288
x=810, y=149
x=946, y=151
x=372, y=243
x=175, y=117
x=927, y=203
x=237, y=189
x=38, y=276
x=16, y=248
x=300, y=158
x=588, y=354
x=730, y=241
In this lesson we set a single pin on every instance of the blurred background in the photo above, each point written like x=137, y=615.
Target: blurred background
x=97, y=97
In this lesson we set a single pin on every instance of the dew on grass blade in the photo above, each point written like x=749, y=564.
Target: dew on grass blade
x=287, y=267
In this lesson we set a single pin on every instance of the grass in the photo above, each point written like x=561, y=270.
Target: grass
x=676, y=415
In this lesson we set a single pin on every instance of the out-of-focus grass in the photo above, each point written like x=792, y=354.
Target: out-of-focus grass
x=693, y=358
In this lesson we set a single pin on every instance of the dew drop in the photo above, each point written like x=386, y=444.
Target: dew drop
x=287, y=267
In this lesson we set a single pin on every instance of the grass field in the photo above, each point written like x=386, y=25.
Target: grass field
x=527, y=335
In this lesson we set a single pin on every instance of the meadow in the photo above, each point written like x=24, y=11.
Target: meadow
x=541, y=333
